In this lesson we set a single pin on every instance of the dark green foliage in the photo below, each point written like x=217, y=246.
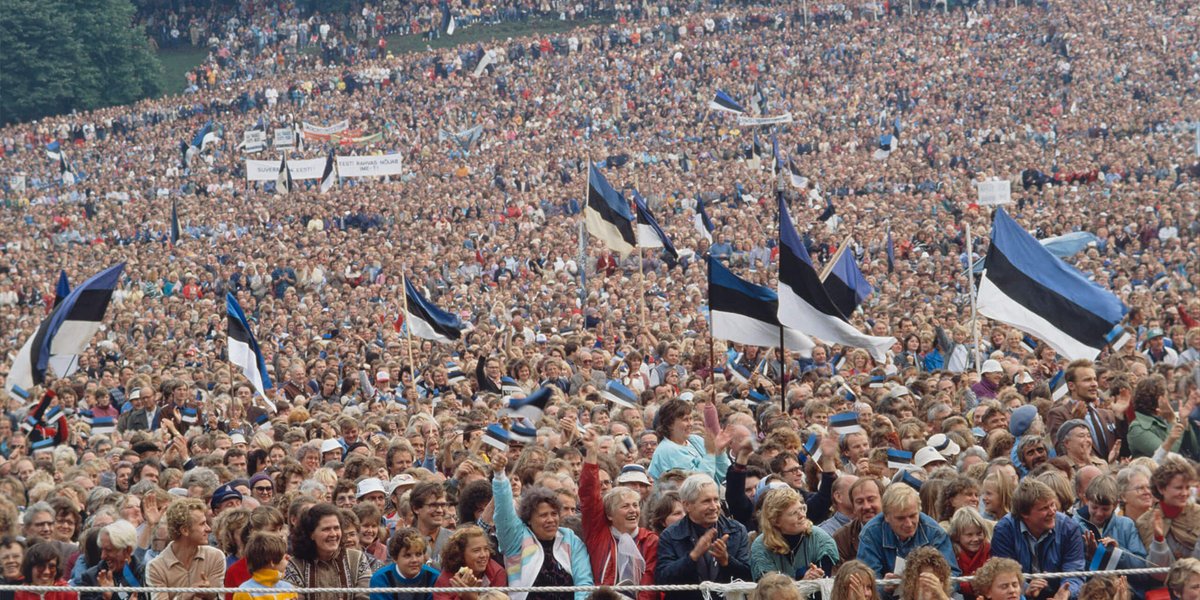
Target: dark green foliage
x=63, y=55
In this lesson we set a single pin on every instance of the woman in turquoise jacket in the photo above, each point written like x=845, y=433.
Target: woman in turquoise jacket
x=530, y=534
x=788, y=543
x=679, y=448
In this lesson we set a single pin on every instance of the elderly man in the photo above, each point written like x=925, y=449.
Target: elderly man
x=888, y=537
x=118, y=567
x=1042, y=539
x=704, y=545
x=188, y=561
x=38, y=521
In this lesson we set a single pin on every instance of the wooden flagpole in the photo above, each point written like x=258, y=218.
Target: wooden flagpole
x=836, y=257
x=412, y=360
x=974, y=302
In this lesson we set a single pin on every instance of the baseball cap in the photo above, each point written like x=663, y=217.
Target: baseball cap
x=927, y=455
x=370, y=485
x=402, y=480
x=1154, y=333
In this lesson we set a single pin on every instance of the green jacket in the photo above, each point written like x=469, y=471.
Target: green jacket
x=816, y=548
x=1147, y=433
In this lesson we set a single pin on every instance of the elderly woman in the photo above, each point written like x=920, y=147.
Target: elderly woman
x=467, y=562
x=1176, y=521
x=788, y=543
x=679, y=448
x=998, y=579
x=926, y=576
x=1183, y=580
x=620, y=550
x=43, y=567
x=320, y=560
x=536, y=551
x=1136, y=497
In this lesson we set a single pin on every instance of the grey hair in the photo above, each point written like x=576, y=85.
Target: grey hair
x=312, y=487
x=689, y=490
x=143, y=487
x=121, y=534
x=203, y=477
x=37, y=507
x=937, y=409
x=972, y=451
x=613, y=498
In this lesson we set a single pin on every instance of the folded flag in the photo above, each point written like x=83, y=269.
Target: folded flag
x=175, y=229
x=243, y=350
x=62, y=289
x=724, y=103
x=427, y=321
x=844, y=423
x=703, y=224
x=497, y=437
x=531, y=407
x=804, y=304
x=812, y=449
x=65, y=332
x=742, y=312
x=615, y=392
x=329, y=177
x=54, y=150
x=283, y=181
x=1027, y=287
x=1105, y=558
x=607, y=214
x=509, y=386
x=899, y=459
x=846, y=284
x=649, y=234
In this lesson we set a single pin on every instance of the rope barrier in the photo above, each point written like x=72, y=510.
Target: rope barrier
x=705, y=588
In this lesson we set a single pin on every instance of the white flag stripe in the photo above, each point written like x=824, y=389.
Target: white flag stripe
x=241, y=355
x=743, y=329
x=995, y=304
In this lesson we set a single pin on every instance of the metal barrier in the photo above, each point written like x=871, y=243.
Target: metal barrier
x=734, y=589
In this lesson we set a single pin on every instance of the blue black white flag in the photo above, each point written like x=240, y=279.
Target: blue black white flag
x=243, y=350
x=283, y=181
x=62, y=289
x=616, y=392
x=66, y=332
x=175, y=230
x=1027, y=287
x=607, y=214
x=54, y=150
x=845, y=283
x=329, y=177
x=703, y=224
x=724, y=103
x=427, y=321
x=649, y=234
x=742, y=312
x=531, y=407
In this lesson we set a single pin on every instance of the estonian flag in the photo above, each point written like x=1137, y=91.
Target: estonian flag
x=760, y=100
x=329, y=177
x=887, y=143
x=204, y=137
x=522, y=434
x=890, y=249
x=614, y=391
x=427, y=321
x=510, y=386
x=1058, y=385
x=54, y=150
x=845, y=423
x=1105, y=558
x=1028, y=288
x=812, y=449
x=777, y=161
x=845, y=283
x=803, y=302
x=798, y=181
x=742, y=312
x=899, y=459
x=62, y=289
x=704, y=225
x=175, y=231
x=243, y=350
x=649, y=234
x=607, y=214
x=64, y=169
x=283, y=182
x=829, y=211
x=531, y=407
x=497, y=437
x=66, y=332
x=756, y=154
x=724, y=103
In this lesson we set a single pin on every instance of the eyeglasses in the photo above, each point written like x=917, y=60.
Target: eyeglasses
x=263, y=488
x=437, y=505
x=795, y=469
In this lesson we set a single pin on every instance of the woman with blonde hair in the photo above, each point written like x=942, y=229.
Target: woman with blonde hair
x=996, y=497
x=787, y=542
x=926, y=575
x=854, y=581
x=776, y=586
x=998, y=579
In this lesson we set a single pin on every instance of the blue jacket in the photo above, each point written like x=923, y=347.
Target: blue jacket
x=1061, y=550
x=878, y=545
x=1118, y=528
x=675, y=567
x=523, y=554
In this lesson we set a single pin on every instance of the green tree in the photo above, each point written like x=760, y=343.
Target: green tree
x=63, y=55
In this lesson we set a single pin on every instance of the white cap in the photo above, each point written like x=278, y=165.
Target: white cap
x=330, y=446
x=899, y=392
x=944, y=445
x=992, y=365
x=1024, y=377
x=927, y=455
x=400, y=481
x=237, y=438
x=370, y=485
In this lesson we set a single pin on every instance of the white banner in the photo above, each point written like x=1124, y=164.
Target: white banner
x=994, y=193
x=17, y=183
x=332, y=129
x=268, y=170
x=369, y=166
x=285, y=137
x=254, y=140
x=744, y=121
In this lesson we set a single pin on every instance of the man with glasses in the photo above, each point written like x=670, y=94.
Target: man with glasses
x=428, y=503
x=39, y=521
x=262, y=488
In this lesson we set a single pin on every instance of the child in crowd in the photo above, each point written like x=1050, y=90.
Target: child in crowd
x=266, y=556
x=411, y=552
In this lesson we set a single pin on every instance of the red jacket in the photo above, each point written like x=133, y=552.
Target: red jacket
x=598, y=537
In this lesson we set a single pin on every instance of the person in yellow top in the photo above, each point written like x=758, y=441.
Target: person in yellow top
x=266, y=556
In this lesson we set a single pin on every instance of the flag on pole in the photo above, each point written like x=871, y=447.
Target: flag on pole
x=243, y=350
x=64, y=169
x=776, y=160
x=649, y=234
x=724, y=103
x=1105, y=558
x=62, y=289
x=742, y=312
x=759, y=99
x=616, y=392
x=829, y=211
x=798, y=180
x=531, y=407
x=427, y=321
x=804, y=303
x=283, y=182
x=847, y=286
x=607, y=214
x=497, y=437
x=1027, y=287
x=65, y=333
x=890, y=249
x=175, y=230
x=329, y=177
x=452, y=26
x=703, y=224
x=54, y=150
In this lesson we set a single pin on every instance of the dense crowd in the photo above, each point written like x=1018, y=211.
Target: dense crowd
x=373, y=462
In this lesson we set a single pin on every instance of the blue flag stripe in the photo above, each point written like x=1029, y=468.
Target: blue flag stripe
x=441, y=321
